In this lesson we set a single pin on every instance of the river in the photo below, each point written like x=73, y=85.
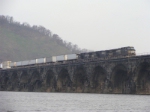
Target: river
x=72, y=102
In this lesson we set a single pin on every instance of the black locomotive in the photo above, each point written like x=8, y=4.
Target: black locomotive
x=124, y=51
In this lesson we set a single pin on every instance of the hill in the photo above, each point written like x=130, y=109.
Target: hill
x=24, y=42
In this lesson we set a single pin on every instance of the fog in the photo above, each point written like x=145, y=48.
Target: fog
x=94, y=25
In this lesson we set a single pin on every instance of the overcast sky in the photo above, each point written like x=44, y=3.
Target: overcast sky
x=91, y=24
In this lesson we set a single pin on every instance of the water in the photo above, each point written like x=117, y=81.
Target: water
x=72, y=102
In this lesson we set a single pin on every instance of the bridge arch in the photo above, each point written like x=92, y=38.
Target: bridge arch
x=98, y=79
x=80, y=79
x=50, y=81
x=63, y=80
x=4, y=81
x=23, y=80
x=35, y=76
x=14, y=81
x=143, y=78
x=24, y=77
x=119, y=78
x=14, y=77
x=35, y=81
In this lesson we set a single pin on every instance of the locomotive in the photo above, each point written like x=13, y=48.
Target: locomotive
x=124, y=51
x=112, y=53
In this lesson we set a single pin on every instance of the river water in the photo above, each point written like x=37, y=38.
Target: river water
x=72, y=102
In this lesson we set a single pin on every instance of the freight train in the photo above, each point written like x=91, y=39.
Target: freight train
x=105, y=54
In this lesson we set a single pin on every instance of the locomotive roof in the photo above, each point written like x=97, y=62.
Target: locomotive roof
x=109, y=50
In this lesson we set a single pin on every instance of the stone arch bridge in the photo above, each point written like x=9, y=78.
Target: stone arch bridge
x=127, y=75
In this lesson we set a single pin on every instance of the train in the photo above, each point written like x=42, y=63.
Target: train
x=104, y=54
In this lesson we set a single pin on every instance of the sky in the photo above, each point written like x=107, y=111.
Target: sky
x=91, y=24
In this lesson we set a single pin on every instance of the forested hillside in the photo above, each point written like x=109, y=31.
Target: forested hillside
x=24, y=42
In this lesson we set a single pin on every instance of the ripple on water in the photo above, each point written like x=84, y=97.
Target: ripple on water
x=72, y=102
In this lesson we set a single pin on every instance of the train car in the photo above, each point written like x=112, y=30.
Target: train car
x=61, y=58
x=71, y=56
x=24, y=63
x=130, y=51
x=125, y=51
x=18, y=63
x=6, y=64
x=1, y=66
x=49, y=59
x=101, y=54
x=54, y=59
x=40, y=60
x=32, y=62
x=13, y=64
x=97, y=54
x=88, y=55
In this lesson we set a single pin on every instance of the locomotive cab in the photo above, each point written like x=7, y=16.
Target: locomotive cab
x=131, y=51
x=128, y=51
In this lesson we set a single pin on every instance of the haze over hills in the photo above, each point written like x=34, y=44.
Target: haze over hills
x=24, y=42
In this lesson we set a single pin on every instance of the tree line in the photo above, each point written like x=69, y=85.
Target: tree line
x=40, y=30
